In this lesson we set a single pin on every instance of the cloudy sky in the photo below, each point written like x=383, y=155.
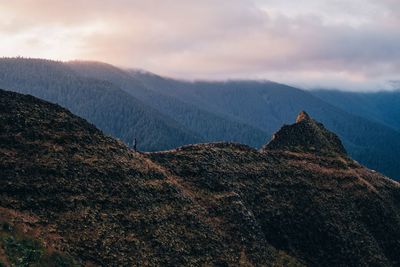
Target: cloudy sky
x=347, y=44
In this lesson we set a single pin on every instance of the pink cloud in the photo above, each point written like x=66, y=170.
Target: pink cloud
x=215, y=38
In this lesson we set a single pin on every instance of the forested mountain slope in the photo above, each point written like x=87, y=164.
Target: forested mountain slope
x=383, y=107
x=112, y=110
x=196, y=118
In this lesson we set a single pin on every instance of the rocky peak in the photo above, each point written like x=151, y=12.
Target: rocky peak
x=303, y=116
x=306, y=135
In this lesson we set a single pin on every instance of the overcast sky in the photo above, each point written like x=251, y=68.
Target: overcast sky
x=347, y=44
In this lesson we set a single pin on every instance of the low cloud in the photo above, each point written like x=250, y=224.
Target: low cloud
x=351, y=44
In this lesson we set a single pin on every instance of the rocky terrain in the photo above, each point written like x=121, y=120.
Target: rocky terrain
x=71, y=196
x=306, y=135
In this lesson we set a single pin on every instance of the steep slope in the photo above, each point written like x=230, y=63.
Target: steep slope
x=382, y=107
x=210, y=126
x=306, y=135
x=24, y=245
x=100, y=203
x=102, y=103
x=316, y=204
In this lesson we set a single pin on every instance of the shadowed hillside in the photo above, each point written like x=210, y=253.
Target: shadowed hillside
x=100, y=102
x=163, y=113
x=97, y=203
x=198, y=119
x=100, y=203
x=306, y=195
x=268, y=105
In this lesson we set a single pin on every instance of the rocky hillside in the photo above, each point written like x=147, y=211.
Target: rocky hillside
x=302, y=191
x=306, y=135
x=71, y=196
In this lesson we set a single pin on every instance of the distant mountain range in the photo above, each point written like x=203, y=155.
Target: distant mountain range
x=163, y=113
x=107, y=106
x=382, y=107
x=71, y=196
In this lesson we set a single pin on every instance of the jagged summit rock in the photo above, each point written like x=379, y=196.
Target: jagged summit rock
x=306, y=135
x=303, y=116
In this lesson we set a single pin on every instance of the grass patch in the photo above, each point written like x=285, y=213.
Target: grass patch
x=21, y=253
x=24, y=251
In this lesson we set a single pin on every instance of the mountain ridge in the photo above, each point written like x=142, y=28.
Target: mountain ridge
x=208, y=204
x=101, y=102
x=165, y=113
x=378, y=106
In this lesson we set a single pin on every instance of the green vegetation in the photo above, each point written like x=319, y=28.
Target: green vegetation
x=22, y=250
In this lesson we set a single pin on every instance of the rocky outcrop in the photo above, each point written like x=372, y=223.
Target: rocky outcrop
x=306, y=135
